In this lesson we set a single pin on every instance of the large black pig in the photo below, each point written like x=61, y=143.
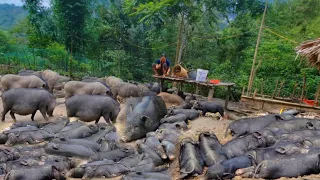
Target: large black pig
x=291, y=167
x=92, y=107
x=190, y=161
x=144, y=117
x=239, y=146
x=25, y=101
x=42, y=172
x=293, y=125
x=210, y=149
x=249, y=125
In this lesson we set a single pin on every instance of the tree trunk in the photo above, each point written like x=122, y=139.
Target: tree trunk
x=182, y=39
x=182, y=46
x=179, y=41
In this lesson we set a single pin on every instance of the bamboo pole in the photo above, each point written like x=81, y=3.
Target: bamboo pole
x=294, y=91
x=255, y=93
x=303, y=88
x=275, y=89
x=280, y=89
x=256, y=50
x=261, y=89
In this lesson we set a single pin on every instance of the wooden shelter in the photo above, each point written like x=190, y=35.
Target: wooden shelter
x=310, y=50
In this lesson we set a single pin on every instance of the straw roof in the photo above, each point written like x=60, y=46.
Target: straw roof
x=310, y=50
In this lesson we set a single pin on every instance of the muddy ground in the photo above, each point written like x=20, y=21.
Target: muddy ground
x=208, y=123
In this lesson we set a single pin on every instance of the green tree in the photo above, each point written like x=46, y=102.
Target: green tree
x=71, y=16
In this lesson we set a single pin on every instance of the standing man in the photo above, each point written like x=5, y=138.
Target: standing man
x=162, y=66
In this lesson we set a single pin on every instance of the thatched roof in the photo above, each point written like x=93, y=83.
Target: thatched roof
x=310, y=50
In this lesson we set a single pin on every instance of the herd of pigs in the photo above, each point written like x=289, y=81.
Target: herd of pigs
x=271, y=146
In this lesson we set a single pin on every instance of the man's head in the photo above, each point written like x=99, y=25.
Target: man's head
x=163, y=60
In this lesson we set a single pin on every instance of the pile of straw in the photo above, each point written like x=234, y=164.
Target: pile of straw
x=310, y=50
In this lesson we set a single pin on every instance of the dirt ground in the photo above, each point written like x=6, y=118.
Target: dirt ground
x=209, y=123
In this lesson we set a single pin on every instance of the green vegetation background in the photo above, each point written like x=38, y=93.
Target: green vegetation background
x=123, y=38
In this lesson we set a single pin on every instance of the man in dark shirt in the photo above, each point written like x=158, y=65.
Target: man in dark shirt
x=162, y=66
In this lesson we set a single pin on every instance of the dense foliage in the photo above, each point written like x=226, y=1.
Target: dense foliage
x=125, y=37
x=10, y=15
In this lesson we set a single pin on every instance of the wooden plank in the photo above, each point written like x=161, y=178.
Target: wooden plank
x=193, y=81
x=273, y=101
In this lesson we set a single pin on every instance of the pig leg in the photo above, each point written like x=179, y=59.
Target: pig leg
x=4, y=112
x=32, y=115
x=13, y=117
x=107, y=119
x=221, y=112
x=204, y=112
x=44, y=113
x=245, y=172
x=97, y=121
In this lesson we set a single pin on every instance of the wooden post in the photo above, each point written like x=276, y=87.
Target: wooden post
x=161, y=85
x=227, y=98
x=197, y=89
x=294, y=91
x=256, y=50
x=181, y=86
x=210, y=95
x=261, y=89
x=280, y=89
x=243, y=89
x=255, y=93
x=303, y=88
x=317, y=96
x=275, y=89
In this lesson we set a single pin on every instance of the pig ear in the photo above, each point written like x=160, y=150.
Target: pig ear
x=281, y=150
x=6, y=151
x=24, y=162
x=257, y=135
x=306, y=144
x=54, y=170
x=99, y=141
x=145, y=120
x=55, y=146
x=130, y=108
x=126, y=150
x=62, y=139
x=310, y=125
x=278, y=117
